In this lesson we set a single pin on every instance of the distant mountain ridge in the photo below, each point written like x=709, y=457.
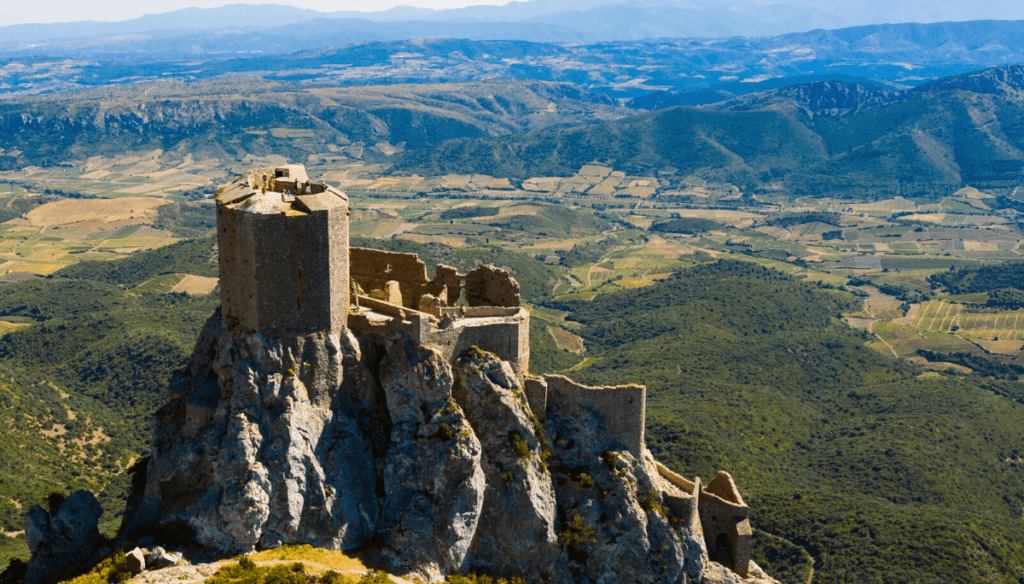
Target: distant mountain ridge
x=835, y=140
x=1006, y=81
x=836, y=98
x=235, y=117
x=598, y=20
x=829, y=98
x=662, y=73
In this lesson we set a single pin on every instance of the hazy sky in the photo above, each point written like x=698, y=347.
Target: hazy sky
x=38, y=11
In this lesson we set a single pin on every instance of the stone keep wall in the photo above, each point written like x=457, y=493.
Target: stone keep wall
x=622, y=407
x=723, y=514
x=284, y=266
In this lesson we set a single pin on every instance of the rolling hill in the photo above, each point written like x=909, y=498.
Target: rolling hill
x=232, y=118
x=924, y=143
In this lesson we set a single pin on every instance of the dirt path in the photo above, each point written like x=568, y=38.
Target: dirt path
x=884, y=342
x=871, y=329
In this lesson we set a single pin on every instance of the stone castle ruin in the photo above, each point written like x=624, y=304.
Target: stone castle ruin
x=341, y=397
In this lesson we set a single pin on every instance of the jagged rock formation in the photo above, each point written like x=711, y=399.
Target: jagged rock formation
x=262, y=444
x=62, y=538
x=433, y=481
x=250, y=450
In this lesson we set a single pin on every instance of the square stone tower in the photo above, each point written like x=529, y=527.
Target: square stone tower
x=284, y=258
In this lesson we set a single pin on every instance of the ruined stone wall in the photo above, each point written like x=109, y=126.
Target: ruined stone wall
x=284, y=273
x=507, y=335
x=683, y=500
x=622, y=408
x=372, y=269
x=537, y=396
x=724, y=516
x=488, y=285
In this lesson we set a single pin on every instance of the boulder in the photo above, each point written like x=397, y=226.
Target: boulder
x=135, y=561
x=164, y=559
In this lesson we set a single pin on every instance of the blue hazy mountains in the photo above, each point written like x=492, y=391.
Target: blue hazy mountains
x=667, y=71
x=534, y=20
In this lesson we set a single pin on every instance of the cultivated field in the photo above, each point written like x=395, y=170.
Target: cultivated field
x=567, y=341
x=196, y=285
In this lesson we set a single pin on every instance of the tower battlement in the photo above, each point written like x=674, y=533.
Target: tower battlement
x=284, y=257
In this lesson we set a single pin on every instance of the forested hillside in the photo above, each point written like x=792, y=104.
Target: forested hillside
x=966, y=130
x=881, y=473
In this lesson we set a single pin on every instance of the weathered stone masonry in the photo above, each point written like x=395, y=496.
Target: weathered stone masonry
x=283, y=253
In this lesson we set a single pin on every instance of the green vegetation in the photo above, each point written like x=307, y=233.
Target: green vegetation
x=794, y=219
x=690, y=225
x=982, y=279
x=469, y=212
x=80, y=382
x=782, y=559
x=980, y=364
x=588, y=252
x=192, y=256
x=1008, y=298
x=187, y=219
x=246, y=571
x=545, y=356
x=577, y=533
x=111, y=570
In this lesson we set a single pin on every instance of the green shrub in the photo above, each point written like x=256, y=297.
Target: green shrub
x=521, y=447
x=445, y=432
x=576, y=533
x=651, y=502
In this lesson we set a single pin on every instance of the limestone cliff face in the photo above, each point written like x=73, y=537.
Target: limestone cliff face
x=251, y=450
x=441, y=467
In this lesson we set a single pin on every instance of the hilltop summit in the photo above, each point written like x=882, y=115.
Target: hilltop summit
x=342, y=398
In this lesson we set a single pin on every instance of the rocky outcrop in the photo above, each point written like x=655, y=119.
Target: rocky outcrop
x=716, y=573
x=614, y=524
x=517, y=533
x=432, y=475
x=440, y=467
x=62, y=538
x=254, y=449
